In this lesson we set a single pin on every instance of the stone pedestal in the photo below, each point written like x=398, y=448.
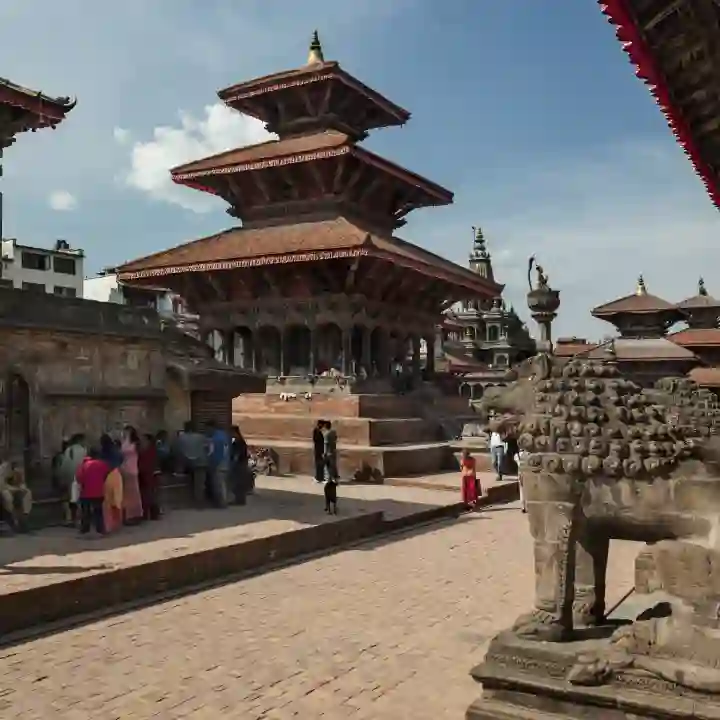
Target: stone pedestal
x=526, y=680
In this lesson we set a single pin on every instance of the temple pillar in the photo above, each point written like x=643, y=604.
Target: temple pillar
x=229, y=346
x=383, y=356
x=430, y=354
x=346, y=355
x=313, y=350
x=283, y=369
x=415, y=362
x=366, y=355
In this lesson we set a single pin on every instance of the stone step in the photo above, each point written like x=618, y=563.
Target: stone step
x=351, y=430
x=361, y=462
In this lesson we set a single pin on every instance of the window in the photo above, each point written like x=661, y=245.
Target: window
x=64, y=265
x=493, y=333
x=65, y=291
x=35, y=261
x=34, y=287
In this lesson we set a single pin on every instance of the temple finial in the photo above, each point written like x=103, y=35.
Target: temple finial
x=315, y=56
x=479, y=250
x=702, y=290
x=641, y=289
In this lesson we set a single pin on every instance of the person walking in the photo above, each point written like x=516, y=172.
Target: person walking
x=497, y=452
x=468, y=476
x=318, y=438
x=330, y=450
x=73, y=456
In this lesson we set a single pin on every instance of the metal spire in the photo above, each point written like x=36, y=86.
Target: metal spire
x=641, y=289
x=315, y=56
x=702, y=290
x=479, y=251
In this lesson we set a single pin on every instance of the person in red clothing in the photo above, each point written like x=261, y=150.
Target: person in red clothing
x=470, y=484
x=148, y=477
x=91, y=476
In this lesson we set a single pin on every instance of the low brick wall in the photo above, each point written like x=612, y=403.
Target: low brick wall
x=59, y=601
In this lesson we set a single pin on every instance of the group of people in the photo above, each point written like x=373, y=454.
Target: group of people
x=116, y=482
x=505, y=456
x=326, y=465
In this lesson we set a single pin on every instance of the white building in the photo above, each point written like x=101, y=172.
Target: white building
x=57, y=271
x=105, y=287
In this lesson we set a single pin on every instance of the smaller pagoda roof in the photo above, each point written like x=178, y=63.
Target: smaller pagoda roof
x=649, y=349
x=699, y=301
x=304, y=148
x=641, y=302
x=708, y=377
x=309, y=241
x=47, y=111
x=696, y=337
x=240, y=96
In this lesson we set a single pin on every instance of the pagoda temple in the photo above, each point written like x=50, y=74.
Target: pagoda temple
x=314, y=288
x=673, y=45
x=482, y=339
x=314, y=282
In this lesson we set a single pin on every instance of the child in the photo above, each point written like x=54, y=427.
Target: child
x=331, y=495
x=470, y=484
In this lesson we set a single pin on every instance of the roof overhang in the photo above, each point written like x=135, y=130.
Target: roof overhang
x=621, y=14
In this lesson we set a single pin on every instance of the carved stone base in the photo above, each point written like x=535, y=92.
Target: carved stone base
x=526, y=680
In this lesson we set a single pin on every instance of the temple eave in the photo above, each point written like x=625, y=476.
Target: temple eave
x=696, y=136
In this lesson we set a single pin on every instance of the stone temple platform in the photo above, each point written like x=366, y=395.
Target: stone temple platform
x=381, y=435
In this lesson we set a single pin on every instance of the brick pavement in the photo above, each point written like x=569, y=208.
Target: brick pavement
x=389, y=629
x=281, y=504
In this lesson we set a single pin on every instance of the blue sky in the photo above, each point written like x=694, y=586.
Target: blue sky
x=527, y=109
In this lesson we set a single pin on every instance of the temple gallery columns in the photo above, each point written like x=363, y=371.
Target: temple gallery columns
x=328, y=348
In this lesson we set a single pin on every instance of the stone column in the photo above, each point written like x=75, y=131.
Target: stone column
x=430, y=354
x=415, y=362
x=346, y=350
x=382, y=360
x=366, y=356
x=253, y=350
x=229, y=345
x=282, y=370
x=313, y=349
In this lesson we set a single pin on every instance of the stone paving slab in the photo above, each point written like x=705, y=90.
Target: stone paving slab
x=450, y=481
x=381, y=631
x=280, y=505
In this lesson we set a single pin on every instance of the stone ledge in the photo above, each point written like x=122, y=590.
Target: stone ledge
x=38, y=606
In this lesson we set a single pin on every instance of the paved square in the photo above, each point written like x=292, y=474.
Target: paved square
x=388, y=629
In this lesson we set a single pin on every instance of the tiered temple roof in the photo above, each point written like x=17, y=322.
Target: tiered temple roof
x=674, y=47
x=24, y=110
x=312, y=194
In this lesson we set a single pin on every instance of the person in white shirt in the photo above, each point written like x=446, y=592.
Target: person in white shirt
x=520, y=462
x=497, y=452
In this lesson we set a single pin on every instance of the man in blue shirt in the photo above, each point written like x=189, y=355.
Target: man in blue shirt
x=218, y=463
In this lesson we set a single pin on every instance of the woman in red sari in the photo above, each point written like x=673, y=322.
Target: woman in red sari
x=470, y=485
x=148, y=478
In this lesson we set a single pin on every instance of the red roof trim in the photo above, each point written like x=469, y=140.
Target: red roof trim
x=618, y=13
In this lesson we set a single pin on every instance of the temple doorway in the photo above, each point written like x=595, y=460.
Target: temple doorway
x=329, y=348
x=297, y=350
x=270, y=353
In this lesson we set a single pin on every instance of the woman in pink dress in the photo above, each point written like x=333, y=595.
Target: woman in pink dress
x=132, y=502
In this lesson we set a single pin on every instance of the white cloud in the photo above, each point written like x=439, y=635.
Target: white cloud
x=62, y=201
x=221, y=129
x=121, y=135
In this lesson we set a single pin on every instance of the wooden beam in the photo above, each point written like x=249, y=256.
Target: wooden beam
x=341, y=164
x=260, y=184
x=319, y=178
x=353, y=180
x=351, y=274
x=304, y=92
x=325, y=102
